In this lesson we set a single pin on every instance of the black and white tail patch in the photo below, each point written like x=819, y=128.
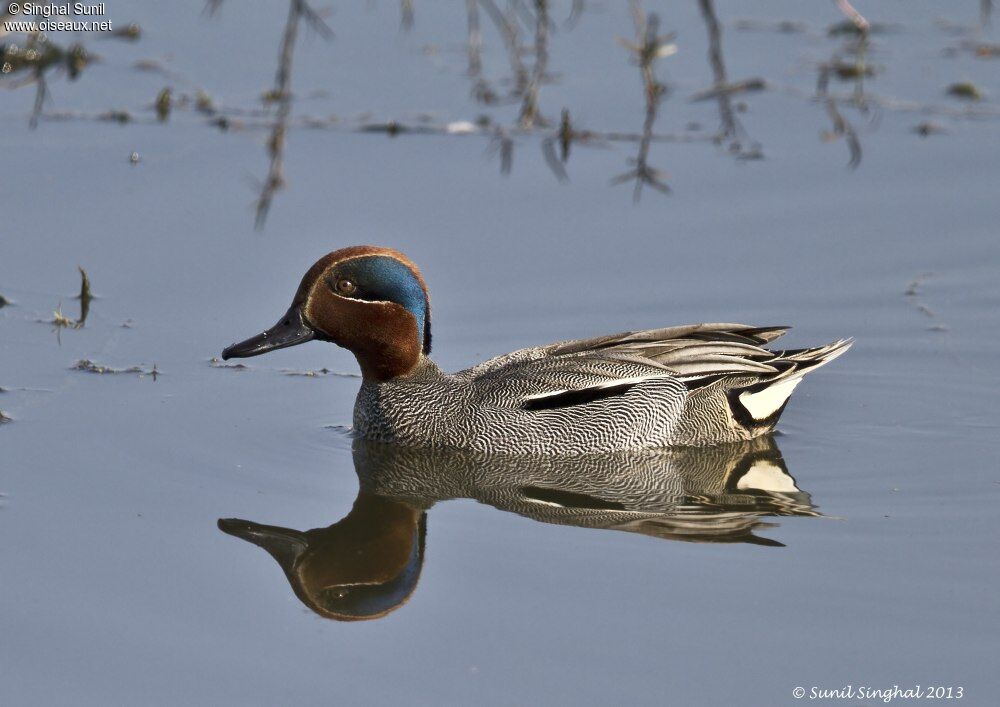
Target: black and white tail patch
x=761, y=405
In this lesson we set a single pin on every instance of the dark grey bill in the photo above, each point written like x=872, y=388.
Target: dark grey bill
x=290, y=330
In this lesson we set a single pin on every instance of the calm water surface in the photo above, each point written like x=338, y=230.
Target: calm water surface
x=858, y=547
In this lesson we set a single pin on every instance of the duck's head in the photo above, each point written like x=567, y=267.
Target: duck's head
x=370, y=300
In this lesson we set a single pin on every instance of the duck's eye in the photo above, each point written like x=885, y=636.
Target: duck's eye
x=346, y=287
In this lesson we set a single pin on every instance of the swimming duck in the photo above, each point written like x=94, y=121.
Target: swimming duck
x=694, y=385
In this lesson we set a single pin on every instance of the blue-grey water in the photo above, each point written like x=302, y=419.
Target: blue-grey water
x=118, y=588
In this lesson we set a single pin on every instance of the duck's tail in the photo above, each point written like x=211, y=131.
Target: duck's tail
x=758, y=406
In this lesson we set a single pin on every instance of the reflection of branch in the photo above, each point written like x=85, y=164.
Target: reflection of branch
x=41, y=89
x=282, y=95
x=722, y=90
x=406, y=15
x=575, y=11
x=474, y=45
x=841, y=126
x=529, y=107
x=648, y=47
x=507, y=26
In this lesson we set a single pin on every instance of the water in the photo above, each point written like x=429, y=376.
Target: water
x=120, y=588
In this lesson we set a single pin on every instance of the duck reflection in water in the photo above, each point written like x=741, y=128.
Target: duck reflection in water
x=368, y=564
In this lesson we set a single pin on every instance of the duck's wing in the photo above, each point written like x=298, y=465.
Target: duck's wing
x=695, y=355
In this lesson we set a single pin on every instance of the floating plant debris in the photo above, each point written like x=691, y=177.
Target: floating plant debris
x=4, y=301
x=59, y=319
x=4, y=417
x=849, y=71
x=130, y=32
x=913, y=289
x=89, y=366
x=851, y=28
x=216, y=362
x=116, y=116
x=965, y=90
x=203, y=103
x=318, y=373
x=928, y=128
x=986, y=51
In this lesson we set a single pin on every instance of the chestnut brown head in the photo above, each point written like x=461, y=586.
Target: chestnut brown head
x=369, y=300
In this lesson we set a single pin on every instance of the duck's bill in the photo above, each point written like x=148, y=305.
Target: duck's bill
x=283, y=544
x=291, y=330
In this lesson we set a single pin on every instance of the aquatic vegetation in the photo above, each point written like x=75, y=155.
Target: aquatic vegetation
x=525, y=30
x=28, y=64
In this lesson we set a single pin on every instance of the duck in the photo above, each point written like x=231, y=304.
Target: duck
x=689, y=385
